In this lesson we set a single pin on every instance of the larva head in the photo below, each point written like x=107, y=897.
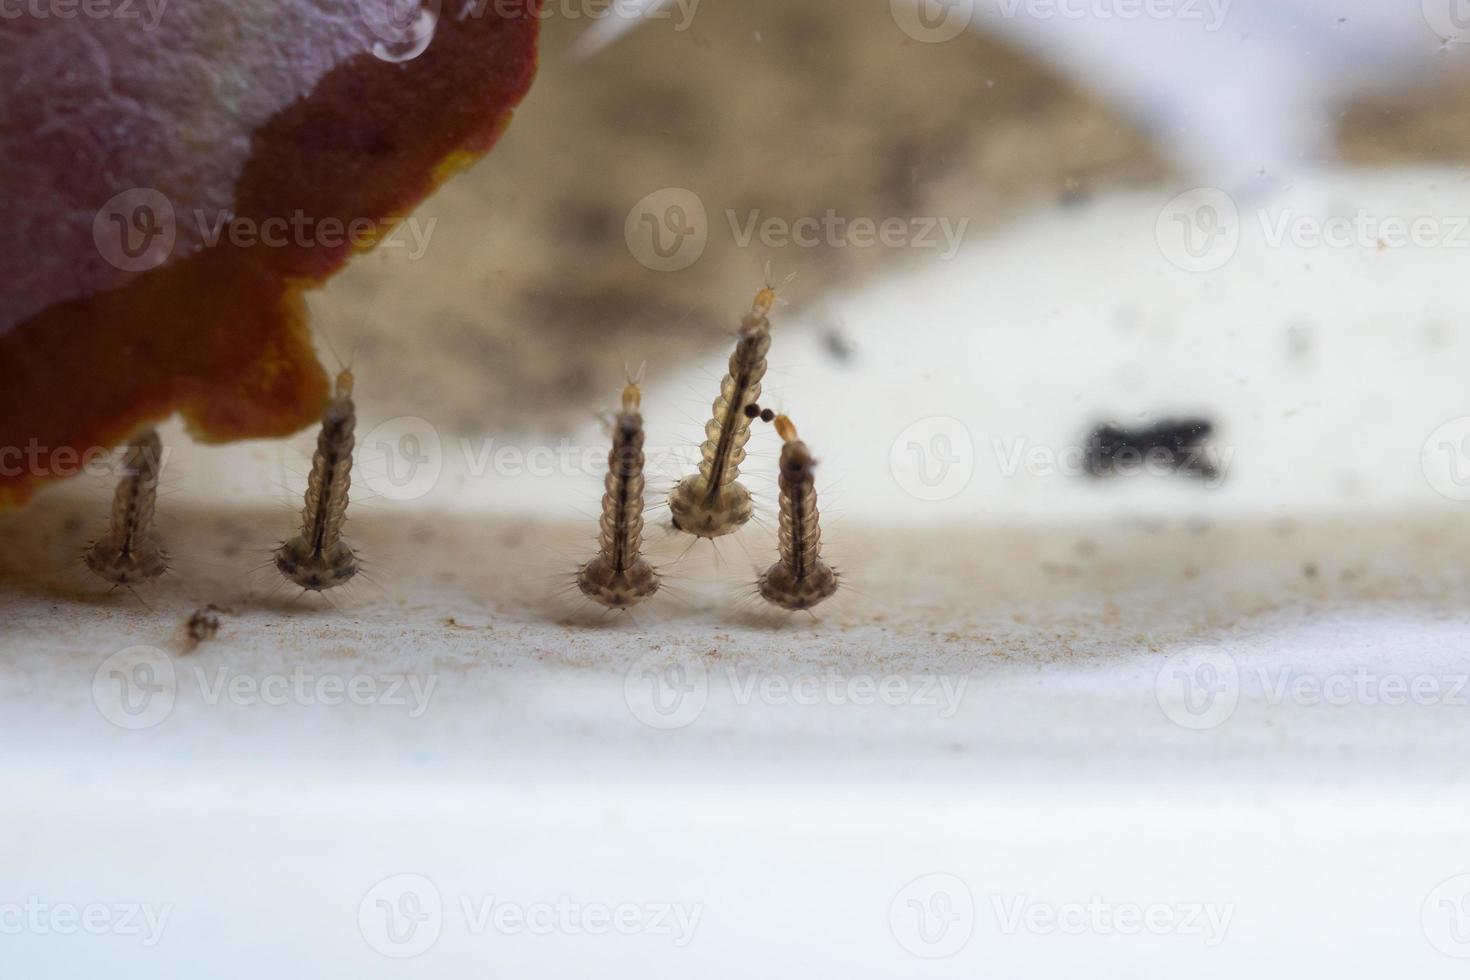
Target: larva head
x=764, y=300
x=313, y=570
x=632, y=397
x=603, y=584
x=780, y=586
x=796, y=459
x=344, y=383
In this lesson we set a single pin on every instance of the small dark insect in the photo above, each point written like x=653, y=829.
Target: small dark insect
x=1172, y=445
x=619, y=576
x=800, y=579
x=319, y=558
x=128, y=554
x=203, y=624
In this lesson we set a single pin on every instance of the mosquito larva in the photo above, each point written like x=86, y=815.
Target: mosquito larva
x=712, y=502
x=619, y=576
x=128, y=553
x=800, y=579
x=319, y=558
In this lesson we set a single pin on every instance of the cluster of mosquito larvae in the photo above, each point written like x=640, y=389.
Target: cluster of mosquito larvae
x=317, y=558
x=712, y=502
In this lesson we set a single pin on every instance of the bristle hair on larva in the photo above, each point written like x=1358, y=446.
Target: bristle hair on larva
x=128, y=553
x=800, y=579
x=319, y=557
x=618, y=576
x=713, y=502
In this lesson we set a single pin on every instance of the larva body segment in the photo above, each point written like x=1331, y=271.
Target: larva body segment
x=128, y=553
x=319, y=558
x=713, y=502
x=800, y=579
x=619, y=576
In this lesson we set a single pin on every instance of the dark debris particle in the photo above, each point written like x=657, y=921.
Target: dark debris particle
x=1169, y=446
x=838, y=345
x=203, y=624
